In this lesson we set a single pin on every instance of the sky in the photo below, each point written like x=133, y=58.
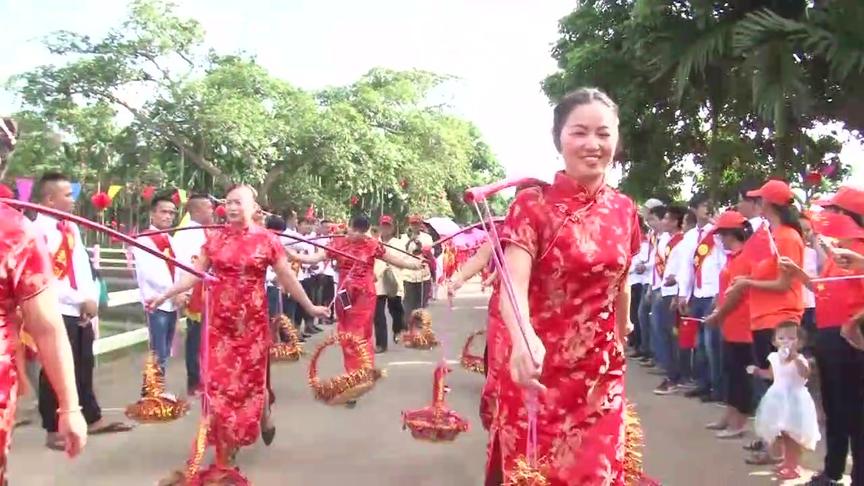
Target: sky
x=499, y=51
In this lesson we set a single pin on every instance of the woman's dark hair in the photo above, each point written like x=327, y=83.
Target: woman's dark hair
x=690, y=217
x=746, y=187
x=740, y=234
x=678, y=212
x=360, y=224
x=659, y=211
x=789, y=216
x=275, y=223
x=570, y=102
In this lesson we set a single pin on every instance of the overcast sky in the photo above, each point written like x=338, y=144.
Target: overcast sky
x=498, y=49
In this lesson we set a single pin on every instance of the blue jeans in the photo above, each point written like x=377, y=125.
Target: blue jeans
x=665, y=345
x=162, y=325
x=709, y=349
x=645, y=321
x=193, y=349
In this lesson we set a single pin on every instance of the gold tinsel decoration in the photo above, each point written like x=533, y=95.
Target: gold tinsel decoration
x=289, y=350
x=526, y=474
x=420, y=334
x=435, y=423
x=348, y=386
x=469, y=361
x=155, y=406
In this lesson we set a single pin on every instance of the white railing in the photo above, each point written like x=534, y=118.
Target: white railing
x=118, y=298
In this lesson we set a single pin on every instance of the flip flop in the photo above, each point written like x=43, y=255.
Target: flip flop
x=788, y=473
x=112, y=428
x=56, y=444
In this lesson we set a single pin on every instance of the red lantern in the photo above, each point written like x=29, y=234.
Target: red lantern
x=148, y=192
x=813, y=178
x=404, y=183
x=310, y=212
x=100, y=201
x=220, y=211
x=175, y=198
x=354, y=200
x=5, y=192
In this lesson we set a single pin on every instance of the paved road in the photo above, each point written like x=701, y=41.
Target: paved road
x=321, y=445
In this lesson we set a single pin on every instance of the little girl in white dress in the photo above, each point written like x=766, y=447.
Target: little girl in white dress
x=787, y=414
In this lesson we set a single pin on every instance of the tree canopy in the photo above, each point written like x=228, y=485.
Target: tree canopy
x=149, y=104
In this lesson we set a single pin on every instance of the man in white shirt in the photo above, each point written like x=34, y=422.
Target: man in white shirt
x=699, y=284
x=328, y=275
x=156, y=276
x=654, y=219
x=389, y=289
x=418, y=283
x=749, y=206
x=307, y=277
x=78, y=297
x=669, y=259
x=187, y=246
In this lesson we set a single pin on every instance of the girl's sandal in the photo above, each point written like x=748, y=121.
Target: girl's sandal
x=788, y=473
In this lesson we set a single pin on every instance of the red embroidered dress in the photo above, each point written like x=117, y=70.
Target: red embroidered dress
x=25, y=271
x=238, y=331
x=358, y=279
x=581, y=245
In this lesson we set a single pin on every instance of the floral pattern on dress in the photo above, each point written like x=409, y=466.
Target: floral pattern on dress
x=25, y=271
x=582, y=245
x=357, y=277
x=238, y=331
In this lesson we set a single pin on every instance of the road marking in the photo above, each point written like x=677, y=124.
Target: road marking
x=412, y=363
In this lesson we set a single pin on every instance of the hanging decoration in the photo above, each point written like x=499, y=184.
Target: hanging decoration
x=156, y=406
x=113, y=190
x=291, y=349
x=403, y=183
x=437, y=422
x=355, y=200
x=310, y=212
x=175, y=198
x=220, y=211
x=6, y=192
x=25, y=188
x=813, y=178
x=101, y=201
x=348, y=386
x=470, y=361
x=147, y=193
x=420, y=334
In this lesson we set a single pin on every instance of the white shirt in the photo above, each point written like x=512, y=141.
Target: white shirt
x=657, y=279
x=187, y=245
x=70, y=299
x=329, y=268
x=677, y=257
x=303, y=248
x=710, y=270
x=381, y=266
x=417, y=276
x=634, y=278
x=756, y=222
x=152, y=274
x=811, y=267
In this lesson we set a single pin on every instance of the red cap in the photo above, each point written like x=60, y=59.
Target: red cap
x=848, y=198
x=775, y=192
x=730, y=220
x=836, y=225
x=386, y=219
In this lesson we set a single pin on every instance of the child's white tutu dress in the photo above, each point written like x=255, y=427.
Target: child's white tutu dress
x=787, y=407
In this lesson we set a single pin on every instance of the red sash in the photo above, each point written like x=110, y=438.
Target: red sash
x=660, y=260
x=62, y=258
x=164, y=246
x=702, y=251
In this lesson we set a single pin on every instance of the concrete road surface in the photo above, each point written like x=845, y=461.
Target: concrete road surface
x=321, y=445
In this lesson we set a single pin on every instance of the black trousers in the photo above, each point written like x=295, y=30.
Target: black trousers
x=635, y=337
x=81, y=338
x=397, y=314
x=841, y=379
x=739, y=385
x=327, y=291
x=416, y=296
x=300, y=315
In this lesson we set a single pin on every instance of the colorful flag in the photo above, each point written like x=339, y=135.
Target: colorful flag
x=76, y=190
x=113, y=190
x=759, y=247
x=25, y=188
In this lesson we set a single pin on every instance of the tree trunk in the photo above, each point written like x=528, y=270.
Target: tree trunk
x=269, y=180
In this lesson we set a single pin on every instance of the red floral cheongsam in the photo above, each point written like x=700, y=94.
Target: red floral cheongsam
x=25, y=271
x=497, y=347
x=581, y=245
x=358, y=279
x=238, y=331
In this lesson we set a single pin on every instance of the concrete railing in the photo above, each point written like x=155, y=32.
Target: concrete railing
x=114, y=259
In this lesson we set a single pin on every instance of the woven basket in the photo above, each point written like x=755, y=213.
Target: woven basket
x=469, y=361
x=348, y=386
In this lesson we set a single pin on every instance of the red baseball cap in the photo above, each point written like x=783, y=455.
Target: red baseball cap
x=835, y=225
x=730, y=220
x=848, y=198
x=386, y=219
x=775, y=192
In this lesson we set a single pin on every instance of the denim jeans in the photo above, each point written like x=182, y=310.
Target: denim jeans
x=193, y=350
x=162, y=325
x=709, y=349
x=664, y=342
x=645, y=322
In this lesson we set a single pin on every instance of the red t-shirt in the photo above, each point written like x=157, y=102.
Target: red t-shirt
x=839, y=301
x=736, y=324
x=769, y=308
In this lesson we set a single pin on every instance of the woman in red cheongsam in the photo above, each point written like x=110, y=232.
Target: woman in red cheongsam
x=356, y=282
x=568, y=249
x=238, y=331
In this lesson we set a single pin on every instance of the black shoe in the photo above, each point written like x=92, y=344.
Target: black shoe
x=313, y=329
x=822, y=480
x=697, y=393
x=380, y=349
x=351, y=404
x=267, y=435
x=708, y=399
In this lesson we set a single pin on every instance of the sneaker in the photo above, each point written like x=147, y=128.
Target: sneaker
x=697, y=392
x=730, y=434
x=668, y=387
x=821, y=479
x=689, y=385
x=717, y=426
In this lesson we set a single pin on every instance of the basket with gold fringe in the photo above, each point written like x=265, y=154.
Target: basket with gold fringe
x=348, y=386
x=435, y=423
x=469, y=361
x=155, y=406
x=289, y=350
x=527, y=474
x=420, y=335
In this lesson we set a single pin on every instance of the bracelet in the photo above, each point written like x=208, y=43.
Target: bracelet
x=67, y=411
